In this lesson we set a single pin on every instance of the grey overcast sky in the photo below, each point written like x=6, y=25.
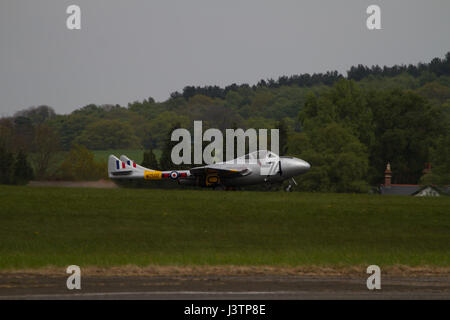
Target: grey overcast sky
x=131, y=50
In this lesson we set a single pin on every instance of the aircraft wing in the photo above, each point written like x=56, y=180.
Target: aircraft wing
x=220, y=170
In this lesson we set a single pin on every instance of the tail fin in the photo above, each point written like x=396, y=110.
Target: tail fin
x=118, y=169
x=133, y=164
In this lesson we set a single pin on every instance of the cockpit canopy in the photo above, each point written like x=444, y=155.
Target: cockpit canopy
x=259, y=155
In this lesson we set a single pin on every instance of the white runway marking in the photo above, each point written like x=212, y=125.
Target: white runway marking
x=265, y=295
x=99, y=294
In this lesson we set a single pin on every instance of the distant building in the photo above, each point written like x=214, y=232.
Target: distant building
x=427, y=191
x=408, y=189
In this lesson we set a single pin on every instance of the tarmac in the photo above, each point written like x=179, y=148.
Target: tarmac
x=24, y=286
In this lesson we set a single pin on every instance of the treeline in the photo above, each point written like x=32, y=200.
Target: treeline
x=20, y=137
x=436, y=68
x=348, y=128
x=14, y=168
x=350, y=134
x=30, y=148
x=302, y=80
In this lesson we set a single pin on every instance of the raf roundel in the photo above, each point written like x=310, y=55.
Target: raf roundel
x=174, y=174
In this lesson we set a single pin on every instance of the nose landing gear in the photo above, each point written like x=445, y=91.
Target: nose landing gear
x=290, y=187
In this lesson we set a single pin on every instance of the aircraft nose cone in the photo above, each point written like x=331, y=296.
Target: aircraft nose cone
x=302, y=165
x=294, y=166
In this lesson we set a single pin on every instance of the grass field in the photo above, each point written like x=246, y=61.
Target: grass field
x=99, y=227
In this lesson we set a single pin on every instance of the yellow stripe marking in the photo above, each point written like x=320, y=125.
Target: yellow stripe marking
x=152, y=175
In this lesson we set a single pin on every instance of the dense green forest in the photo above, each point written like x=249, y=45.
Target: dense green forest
x=347, y=127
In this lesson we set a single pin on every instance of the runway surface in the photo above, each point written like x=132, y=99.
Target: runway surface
x=269, y=287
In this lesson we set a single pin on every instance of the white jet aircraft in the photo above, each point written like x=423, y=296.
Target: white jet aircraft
x=254, y=168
